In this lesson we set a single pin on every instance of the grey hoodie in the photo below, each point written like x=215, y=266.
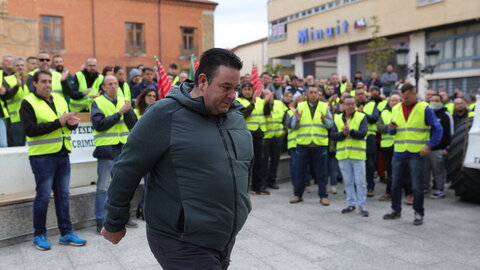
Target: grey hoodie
x=199, y=167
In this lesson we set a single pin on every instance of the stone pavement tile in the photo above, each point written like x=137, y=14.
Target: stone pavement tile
x=413, y=254
x=289, y=261
x=308, y=250
x=256, y=222
x=374, y=227
x=290, y=225
x=108, y=265
x=58, y=262
x=369, y=240
x=356, y=251
x=322, y=238
x=259, y=248
x=10, y=256
x=241, y=260
x=344, y=263
x=88, y=254
x=275, y=235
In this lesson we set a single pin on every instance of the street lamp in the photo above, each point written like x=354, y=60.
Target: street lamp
x=417, y=69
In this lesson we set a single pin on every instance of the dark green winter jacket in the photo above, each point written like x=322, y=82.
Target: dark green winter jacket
x=198, y=165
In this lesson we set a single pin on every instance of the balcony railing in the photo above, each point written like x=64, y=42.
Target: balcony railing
x=186, y=53
x=135, y=48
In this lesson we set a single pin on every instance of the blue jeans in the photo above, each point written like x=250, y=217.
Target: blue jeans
x=332, y=169
x=3, y=132
x=104, y=171
x=317, y=156
x=293, y=163
x=415, y=167
x=353, y=171
x=51, y=173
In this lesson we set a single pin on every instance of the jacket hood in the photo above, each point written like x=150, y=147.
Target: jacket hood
x=181, y=94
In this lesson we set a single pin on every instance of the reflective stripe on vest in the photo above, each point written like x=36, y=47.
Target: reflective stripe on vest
x=291, y=134
x=349, y=147
x=57, y=82
x=118, y=133
x=256, y=119
x=413, y=134
x=387, y=139
x=52, y=142
x=312, y=130
x=14, y=104
x=85, y=102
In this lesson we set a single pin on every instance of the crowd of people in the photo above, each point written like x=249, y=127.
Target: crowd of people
x=356, y=131
x=334, y=130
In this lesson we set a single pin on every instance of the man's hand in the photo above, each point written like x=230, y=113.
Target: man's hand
x=346, y=129
x=65, y=74
x=298, y=115
x=19, y=77
x=125, y=107
x=425, y=150
x=73, y=121
x=392, y=126
x=360, y=108
x=86, y=92
x=322, y=117
x=2, y=91
x=114, y=238
x=332, y=98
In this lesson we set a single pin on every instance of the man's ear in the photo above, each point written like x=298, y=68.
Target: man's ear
x=202, y=82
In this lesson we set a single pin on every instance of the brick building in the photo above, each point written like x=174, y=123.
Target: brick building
x=116, y=32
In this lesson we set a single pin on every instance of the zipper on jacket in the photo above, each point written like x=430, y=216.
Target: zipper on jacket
x=233, y=178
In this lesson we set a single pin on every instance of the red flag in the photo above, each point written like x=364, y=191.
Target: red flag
x=164, y=83
x=255, y=79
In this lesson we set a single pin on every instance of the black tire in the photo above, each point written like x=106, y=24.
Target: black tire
x=465, y=181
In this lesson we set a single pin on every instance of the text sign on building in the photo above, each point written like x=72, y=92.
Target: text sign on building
x=82, y=143
x=312, y=33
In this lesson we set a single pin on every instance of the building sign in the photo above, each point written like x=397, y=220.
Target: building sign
x=82, y=143
x=312, y=33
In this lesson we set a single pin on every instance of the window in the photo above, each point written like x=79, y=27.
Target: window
x=188, y=46
x=459, y=48
x=135, y=40
x=52, y=33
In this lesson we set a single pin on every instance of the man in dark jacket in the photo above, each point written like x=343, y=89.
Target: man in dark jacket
x=196, y=148
x=435, y=160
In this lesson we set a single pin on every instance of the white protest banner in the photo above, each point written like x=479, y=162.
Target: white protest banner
x=82, y=143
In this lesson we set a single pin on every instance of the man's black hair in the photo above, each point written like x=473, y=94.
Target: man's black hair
x=173, y=66
x=212, y=59
x=265, y=73
x=145, y=69
x=408, y=87
x=293, y=78
x=36, y=75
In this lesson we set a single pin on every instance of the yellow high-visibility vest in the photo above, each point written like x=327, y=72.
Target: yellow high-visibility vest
x=312, y=130
x=351, y=148
x=412, y=135
x=274, y=124
x=257, y=118
x=387, y=139
x=14, y=103
x=118, y=133
x=52, y=142
x=86, y=101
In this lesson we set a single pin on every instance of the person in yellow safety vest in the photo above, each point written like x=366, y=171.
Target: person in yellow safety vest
x=372, y=115
x=291, y=133
x=335, y=81
x=17, y=89
x=87, y=82
x=47, y=123
x=254, y=112
x=349, y=132
x=461, y=112
x=32, y=64
x=349, y=89
x=4, y=115
x=343, y=84
x=312, y=120
x=416, y=130
x=330, y=97
x=375, y=96
x=112, y=118
x=446, y=102
x=123, y=87
x=273, y=138
x=386, y=146
x=173, y=71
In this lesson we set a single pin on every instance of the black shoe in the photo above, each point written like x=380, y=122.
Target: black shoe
x=99, y=228
x=349, y=209
x=392, y=215
x=273, y=186
x=383, y=180
x=418, y=219
x=140, y=213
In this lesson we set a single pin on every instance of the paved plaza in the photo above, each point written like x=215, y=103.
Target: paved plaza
x=303, y=236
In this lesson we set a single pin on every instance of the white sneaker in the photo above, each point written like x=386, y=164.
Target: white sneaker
x=333, y=190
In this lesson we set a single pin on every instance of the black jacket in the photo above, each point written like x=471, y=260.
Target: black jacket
x=446, y=120
x=198, y=171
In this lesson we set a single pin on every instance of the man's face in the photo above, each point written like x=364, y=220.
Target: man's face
x=44, y=61
x=32, y=64
x=294, y=83
x=110, y=86
x=429, y=94
x=182, y=77
x=389, y=68
x=266, y=79
x=344, y=78
x=334, y=79
x=409, y=97
x=276, y=81
x=58, y=64
x=310, y=80
x=436, y=99
x=444, y=96
x=358, y=75
x=147, y=76
x=394, y=100
x=92, y=66
x=7, y=63
x=360, y=96
x=43, y=87
x=313, y=95
x=20, y=67
x=287, y=97
x=374, y=93
x=374, y=75
x=349, y=105
x=460, y=105
x=220, y=93
x=322, y=82
x=247, y=92
x=330, y=90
